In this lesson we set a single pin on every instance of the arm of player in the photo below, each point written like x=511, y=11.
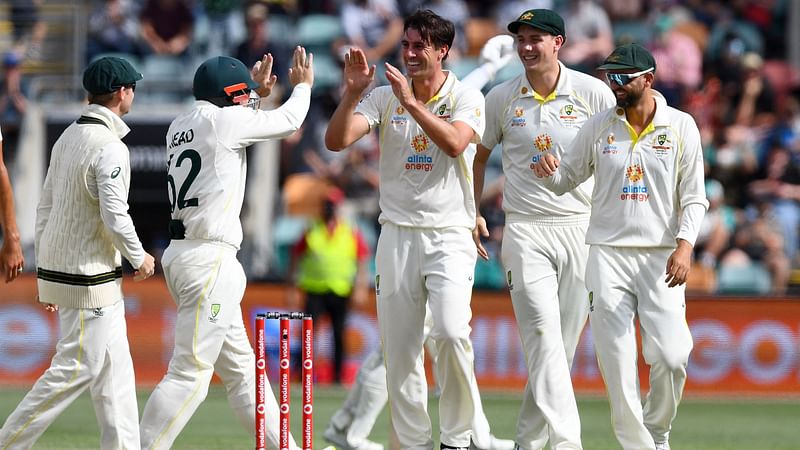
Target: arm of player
x=11, y=259
x=496, y=53
x=693, y=202
x=451, y=137
x=112, y=175
x=43, y=212
x=346, y=126
x=575, y=168
x=479, y=175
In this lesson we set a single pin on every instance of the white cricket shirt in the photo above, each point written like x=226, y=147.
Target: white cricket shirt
x=207, y=163
x=420, y=185
x=529, y=125
x=642, y=183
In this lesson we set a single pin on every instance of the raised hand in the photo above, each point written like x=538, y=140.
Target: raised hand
x=261, y=72
x=302, y=70
x=399, y=85
x=358, y=74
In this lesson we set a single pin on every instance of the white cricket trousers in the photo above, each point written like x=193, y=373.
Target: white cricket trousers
x=415, y=267
x=207, y=283
x=545, y=262
x=92, y=353
x=367, y=397
x=625, y=283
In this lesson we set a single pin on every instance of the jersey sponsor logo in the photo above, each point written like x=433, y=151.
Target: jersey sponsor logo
x=420, y=143
x=566, y=114
x=115, y=172
x=543, y=142
x=419, y=162
x=399, y=120
x=634, y=193
x=634, y=173
x=181, y=137
x=519, y=117
x=610, y=149
x=215, y=307
x=661, y=145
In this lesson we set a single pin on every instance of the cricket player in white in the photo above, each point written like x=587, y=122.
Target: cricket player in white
x=351, y=424
x=647, y=206
x=544, y=247
x=425, y=254
x=207, y=167
x=82, y=229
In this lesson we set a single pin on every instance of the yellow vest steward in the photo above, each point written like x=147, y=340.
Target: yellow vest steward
x=330, y=261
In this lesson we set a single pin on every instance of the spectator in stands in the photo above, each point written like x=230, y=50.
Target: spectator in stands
x=257, y=43
x=753, y=97
x=113, y=28
x=13, y=102
x=457, y=12
x=715, y=231
x=28, y=30
x=507, y=11
x=375, y=26
x=680, y=56
x=590, y=38
x=758, y=241
x=780, y=188
x=224, y=29
x=166, y=27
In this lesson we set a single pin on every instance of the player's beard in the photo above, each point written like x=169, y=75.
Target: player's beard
x=631, y=98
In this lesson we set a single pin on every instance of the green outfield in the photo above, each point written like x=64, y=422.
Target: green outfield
x=702, y=424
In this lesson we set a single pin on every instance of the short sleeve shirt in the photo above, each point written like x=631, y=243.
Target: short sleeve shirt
x=529, y=125
x=420, y=185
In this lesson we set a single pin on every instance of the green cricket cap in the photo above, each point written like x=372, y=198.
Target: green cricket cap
x=542, y=19
x=109, y=73
x=629, y=56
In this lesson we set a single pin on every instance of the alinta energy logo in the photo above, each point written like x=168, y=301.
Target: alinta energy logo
x=543, y=143
x=398, y=118
x=420, y=144
x=636, y=191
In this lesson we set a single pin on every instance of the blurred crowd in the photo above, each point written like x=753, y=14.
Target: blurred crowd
x=724, y=62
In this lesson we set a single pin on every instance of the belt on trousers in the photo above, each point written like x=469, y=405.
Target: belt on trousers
x=176, y=229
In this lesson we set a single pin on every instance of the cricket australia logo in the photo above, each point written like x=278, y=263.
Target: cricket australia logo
x=442, y=109
x=508, y=280
x=420, y=143
x=526, y=16
x=377, y=284
x=634, y=173
x=591, y=301
x=214, y=312
x=661, y=146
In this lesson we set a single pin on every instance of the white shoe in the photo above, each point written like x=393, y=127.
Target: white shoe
x=495, y=444
x=338, y=437
x=662, y=445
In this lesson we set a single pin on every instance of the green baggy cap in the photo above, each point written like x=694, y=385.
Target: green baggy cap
x=542, y=19
x=108, y=74
x=629, y=56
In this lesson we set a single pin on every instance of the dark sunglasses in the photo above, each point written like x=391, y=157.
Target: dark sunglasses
x=131, y=86
x=624, y=78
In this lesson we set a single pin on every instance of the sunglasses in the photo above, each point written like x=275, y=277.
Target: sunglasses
x=624, y=78
x=131, y=86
